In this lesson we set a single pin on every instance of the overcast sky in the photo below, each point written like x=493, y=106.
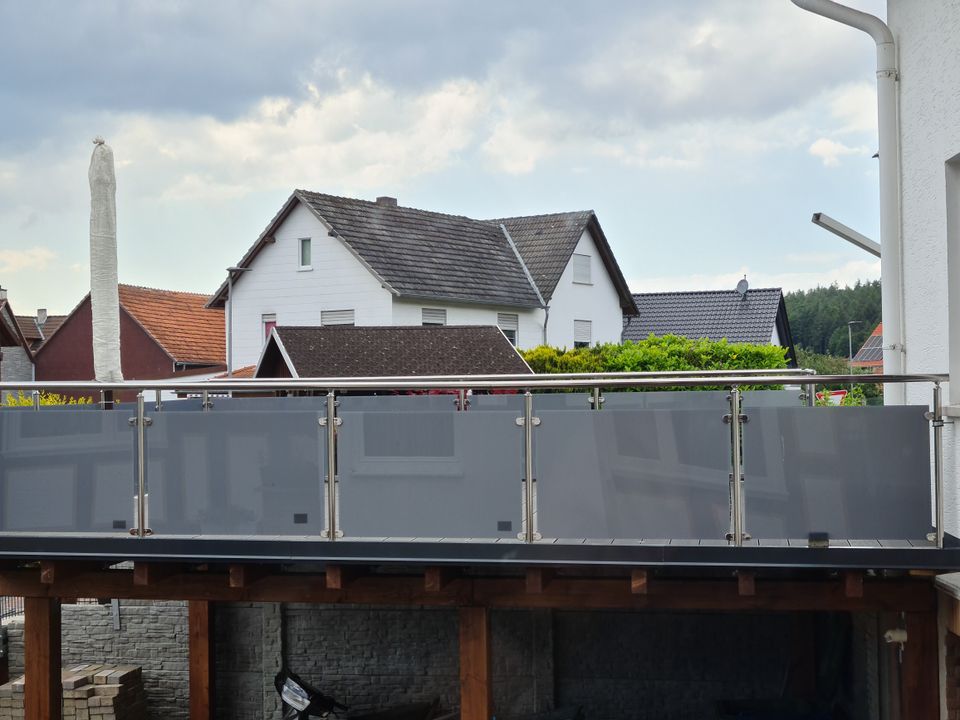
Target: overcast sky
x=703, y=132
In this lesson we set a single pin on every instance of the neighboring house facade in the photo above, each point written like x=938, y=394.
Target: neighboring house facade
x=757, y=316
x=163, y=334
x=870, y=355
x=16, y=356
x=341, y=351
x=327, y=260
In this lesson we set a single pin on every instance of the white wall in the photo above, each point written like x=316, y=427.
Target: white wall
x=530, y=334
x=927, y=33
x=338, y=281
x=597, y=302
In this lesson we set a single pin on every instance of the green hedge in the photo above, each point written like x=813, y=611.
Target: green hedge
x=668, y=352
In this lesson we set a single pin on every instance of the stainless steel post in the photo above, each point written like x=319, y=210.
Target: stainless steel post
x=206, y=400
x=530, y=533
x=937, y=419
x=462, y=399
x=36, y=399
x=141, y=469
x=595, y=399
x=736, y=493
x=158, y=405
x=811, y=395
x=331, y=485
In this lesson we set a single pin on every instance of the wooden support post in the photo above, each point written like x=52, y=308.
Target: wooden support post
x=244, y=575
x=746, y=583
x=853, y=584
x=476, y=699
x=920, y=673
x=639, y=582
x=202, y=688
x=340, y=576
x=41, y=648
x=538, y=579
x=953, y=613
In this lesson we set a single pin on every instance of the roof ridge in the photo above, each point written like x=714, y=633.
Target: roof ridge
x=162, y=290
x=567, y=213
x=702, y=292
x=374, y=203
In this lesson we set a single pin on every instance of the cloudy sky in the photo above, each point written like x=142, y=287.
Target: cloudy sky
x=703, y=132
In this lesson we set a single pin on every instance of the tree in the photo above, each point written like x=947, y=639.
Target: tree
x=819, y=317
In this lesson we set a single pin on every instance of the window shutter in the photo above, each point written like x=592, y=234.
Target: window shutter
x=434, y=316
x=582, y=331
x=581, y=269
x=336, y=317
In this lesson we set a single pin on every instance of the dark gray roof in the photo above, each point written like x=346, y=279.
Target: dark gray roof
x=546, y=243
x=343, y=351
x=427, y=254
x=712, y=314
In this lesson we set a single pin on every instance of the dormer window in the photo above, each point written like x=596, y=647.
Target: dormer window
x=581, y=269
x=306, y=261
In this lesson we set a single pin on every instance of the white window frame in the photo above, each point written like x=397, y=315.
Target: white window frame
x=589, y=327
x=509, y=323
x=332, y=318
x=582, y=269
x=300, y=264
x=433, y=316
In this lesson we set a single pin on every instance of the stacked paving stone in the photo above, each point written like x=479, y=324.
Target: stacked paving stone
x=90, y=692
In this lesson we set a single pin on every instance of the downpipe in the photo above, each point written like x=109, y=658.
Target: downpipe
x=891, y=258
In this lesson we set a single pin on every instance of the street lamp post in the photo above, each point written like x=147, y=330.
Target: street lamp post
x=230, y=274
x=850, y=324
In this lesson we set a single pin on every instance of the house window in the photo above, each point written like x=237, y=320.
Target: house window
x=510, y=324
x=582, y=333
x=306, y=260
x=269, y=322
x=434, y=316
x=581, y=269
x=336, y=317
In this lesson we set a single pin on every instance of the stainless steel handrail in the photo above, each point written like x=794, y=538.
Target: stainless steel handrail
x=473, y=382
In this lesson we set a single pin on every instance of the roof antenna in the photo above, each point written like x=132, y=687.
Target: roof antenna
x=742, y=288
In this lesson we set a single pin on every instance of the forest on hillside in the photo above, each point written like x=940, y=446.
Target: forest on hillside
x=819, y=317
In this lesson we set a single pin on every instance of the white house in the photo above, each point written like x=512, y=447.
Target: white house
x=326, y=260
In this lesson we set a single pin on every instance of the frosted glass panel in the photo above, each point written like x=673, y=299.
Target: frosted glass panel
x=666, y=399
x=634, y=474
x=235, y=473
x=66, y=471
x=852, y=472
x=427, y=472
x=771, y=398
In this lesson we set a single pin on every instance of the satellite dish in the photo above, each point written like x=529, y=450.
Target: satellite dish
x=743, y=286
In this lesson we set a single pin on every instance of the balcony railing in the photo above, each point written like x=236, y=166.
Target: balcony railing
x=479, y=459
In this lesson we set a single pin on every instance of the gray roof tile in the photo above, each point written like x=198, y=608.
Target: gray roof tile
x=711, y=314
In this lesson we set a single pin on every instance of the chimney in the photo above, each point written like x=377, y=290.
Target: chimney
x=3, y=293
x=387, y=201
x=41, y=316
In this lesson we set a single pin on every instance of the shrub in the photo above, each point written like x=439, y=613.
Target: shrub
x=46, y=398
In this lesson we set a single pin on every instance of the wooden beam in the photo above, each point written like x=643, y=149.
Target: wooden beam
x=853, y=584
x=41, y=647
x=339, y=577
x=882, y=594
x=953, y=613
x=638, y=581
x=920, y=675
x=537, y=579
x=746, y=583
x=476, y=701
x=436, y=579
x=148, y=573
x=244, y=575
x=202, y=671
x=53, y=570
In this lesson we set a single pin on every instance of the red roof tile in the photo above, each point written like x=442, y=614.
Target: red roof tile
x=179, y=321
x=244, y=372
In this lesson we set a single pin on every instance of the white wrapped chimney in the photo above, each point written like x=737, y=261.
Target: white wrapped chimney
x=104, y=294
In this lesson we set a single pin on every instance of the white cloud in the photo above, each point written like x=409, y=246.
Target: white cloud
x=830, y=151
x=818, y=274
x=35, y=258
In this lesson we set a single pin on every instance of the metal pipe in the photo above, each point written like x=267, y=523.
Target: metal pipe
x=891, y=255
x=331, y=485
x=529, y=515
x=531, y=381
x=461, y=399
x=141, y=469
x=937, y=418
x=595, y=399
x=736, y=493
x=36, y=399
